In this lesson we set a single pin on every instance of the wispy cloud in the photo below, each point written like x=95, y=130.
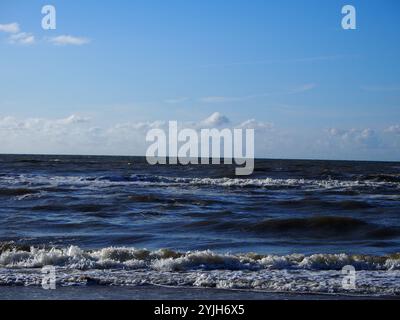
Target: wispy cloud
x=222, y=99
x=16, y=36
x=23, y=38
x=26, y=38
x=176, y=100
x=280, y=61
x=225, y=99
x=65, y=40
x=303, y=88
x=254, y=124
x=10, y=27
x=381, y=88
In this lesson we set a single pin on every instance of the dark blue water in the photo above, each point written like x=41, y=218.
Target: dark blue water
x=286, y=207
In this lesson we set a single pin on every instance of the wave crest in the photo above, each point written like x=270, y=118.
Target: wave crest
x=74, y=257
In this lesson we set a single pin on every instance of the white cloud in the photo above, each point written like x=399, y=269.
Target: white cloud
x=27, y=38
x=17, y=37
x=356, y=137
x=10, y=27
x=14, y=125
x=65, y=40
x=76, y=134
x=42, y=135
x=215, y=120
x=23, y=38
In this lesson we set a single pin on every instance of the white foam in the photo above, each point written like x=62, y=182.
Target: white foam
x=368, y=283
x=151, y=180
x=74, y=257
x=318, y=273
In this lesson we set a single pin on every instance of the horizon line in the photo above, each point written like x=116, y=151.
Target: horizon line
x=143, y=156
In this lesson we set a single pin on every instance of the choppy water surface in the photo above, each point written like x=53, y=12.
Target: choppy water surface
x=290, y=227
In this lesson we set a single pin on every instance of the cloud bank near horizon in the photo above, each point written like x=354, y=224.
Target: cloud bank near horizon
x=80, y=135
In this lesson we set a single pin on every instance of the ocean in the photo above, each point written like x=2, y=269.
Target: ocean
x=118, y=223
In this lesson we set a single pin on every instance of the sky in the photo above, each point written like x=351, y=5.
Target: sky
x=112, y=70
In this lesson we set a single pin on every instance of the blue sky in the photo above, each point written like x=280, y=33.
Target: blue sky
x=111, y=68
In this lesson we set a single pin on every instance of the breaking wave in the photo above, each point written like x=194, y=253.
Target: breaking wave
x=16, y=256
x=154, y=180
x=318, y=273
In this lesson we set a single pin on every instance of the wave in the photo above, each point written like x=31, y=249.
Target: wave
x=381, y=177
x=282, y=183
x=322, y=227
x=318, y=273
x=22, y=256
x=155, y=180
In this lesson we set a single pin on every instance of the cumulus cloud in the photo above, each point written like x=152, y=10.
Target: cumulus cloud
x=42, y=135
x=10, y=27
x=14, y=125
x=215, y=120
x=65, y=40
x=76, y=134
